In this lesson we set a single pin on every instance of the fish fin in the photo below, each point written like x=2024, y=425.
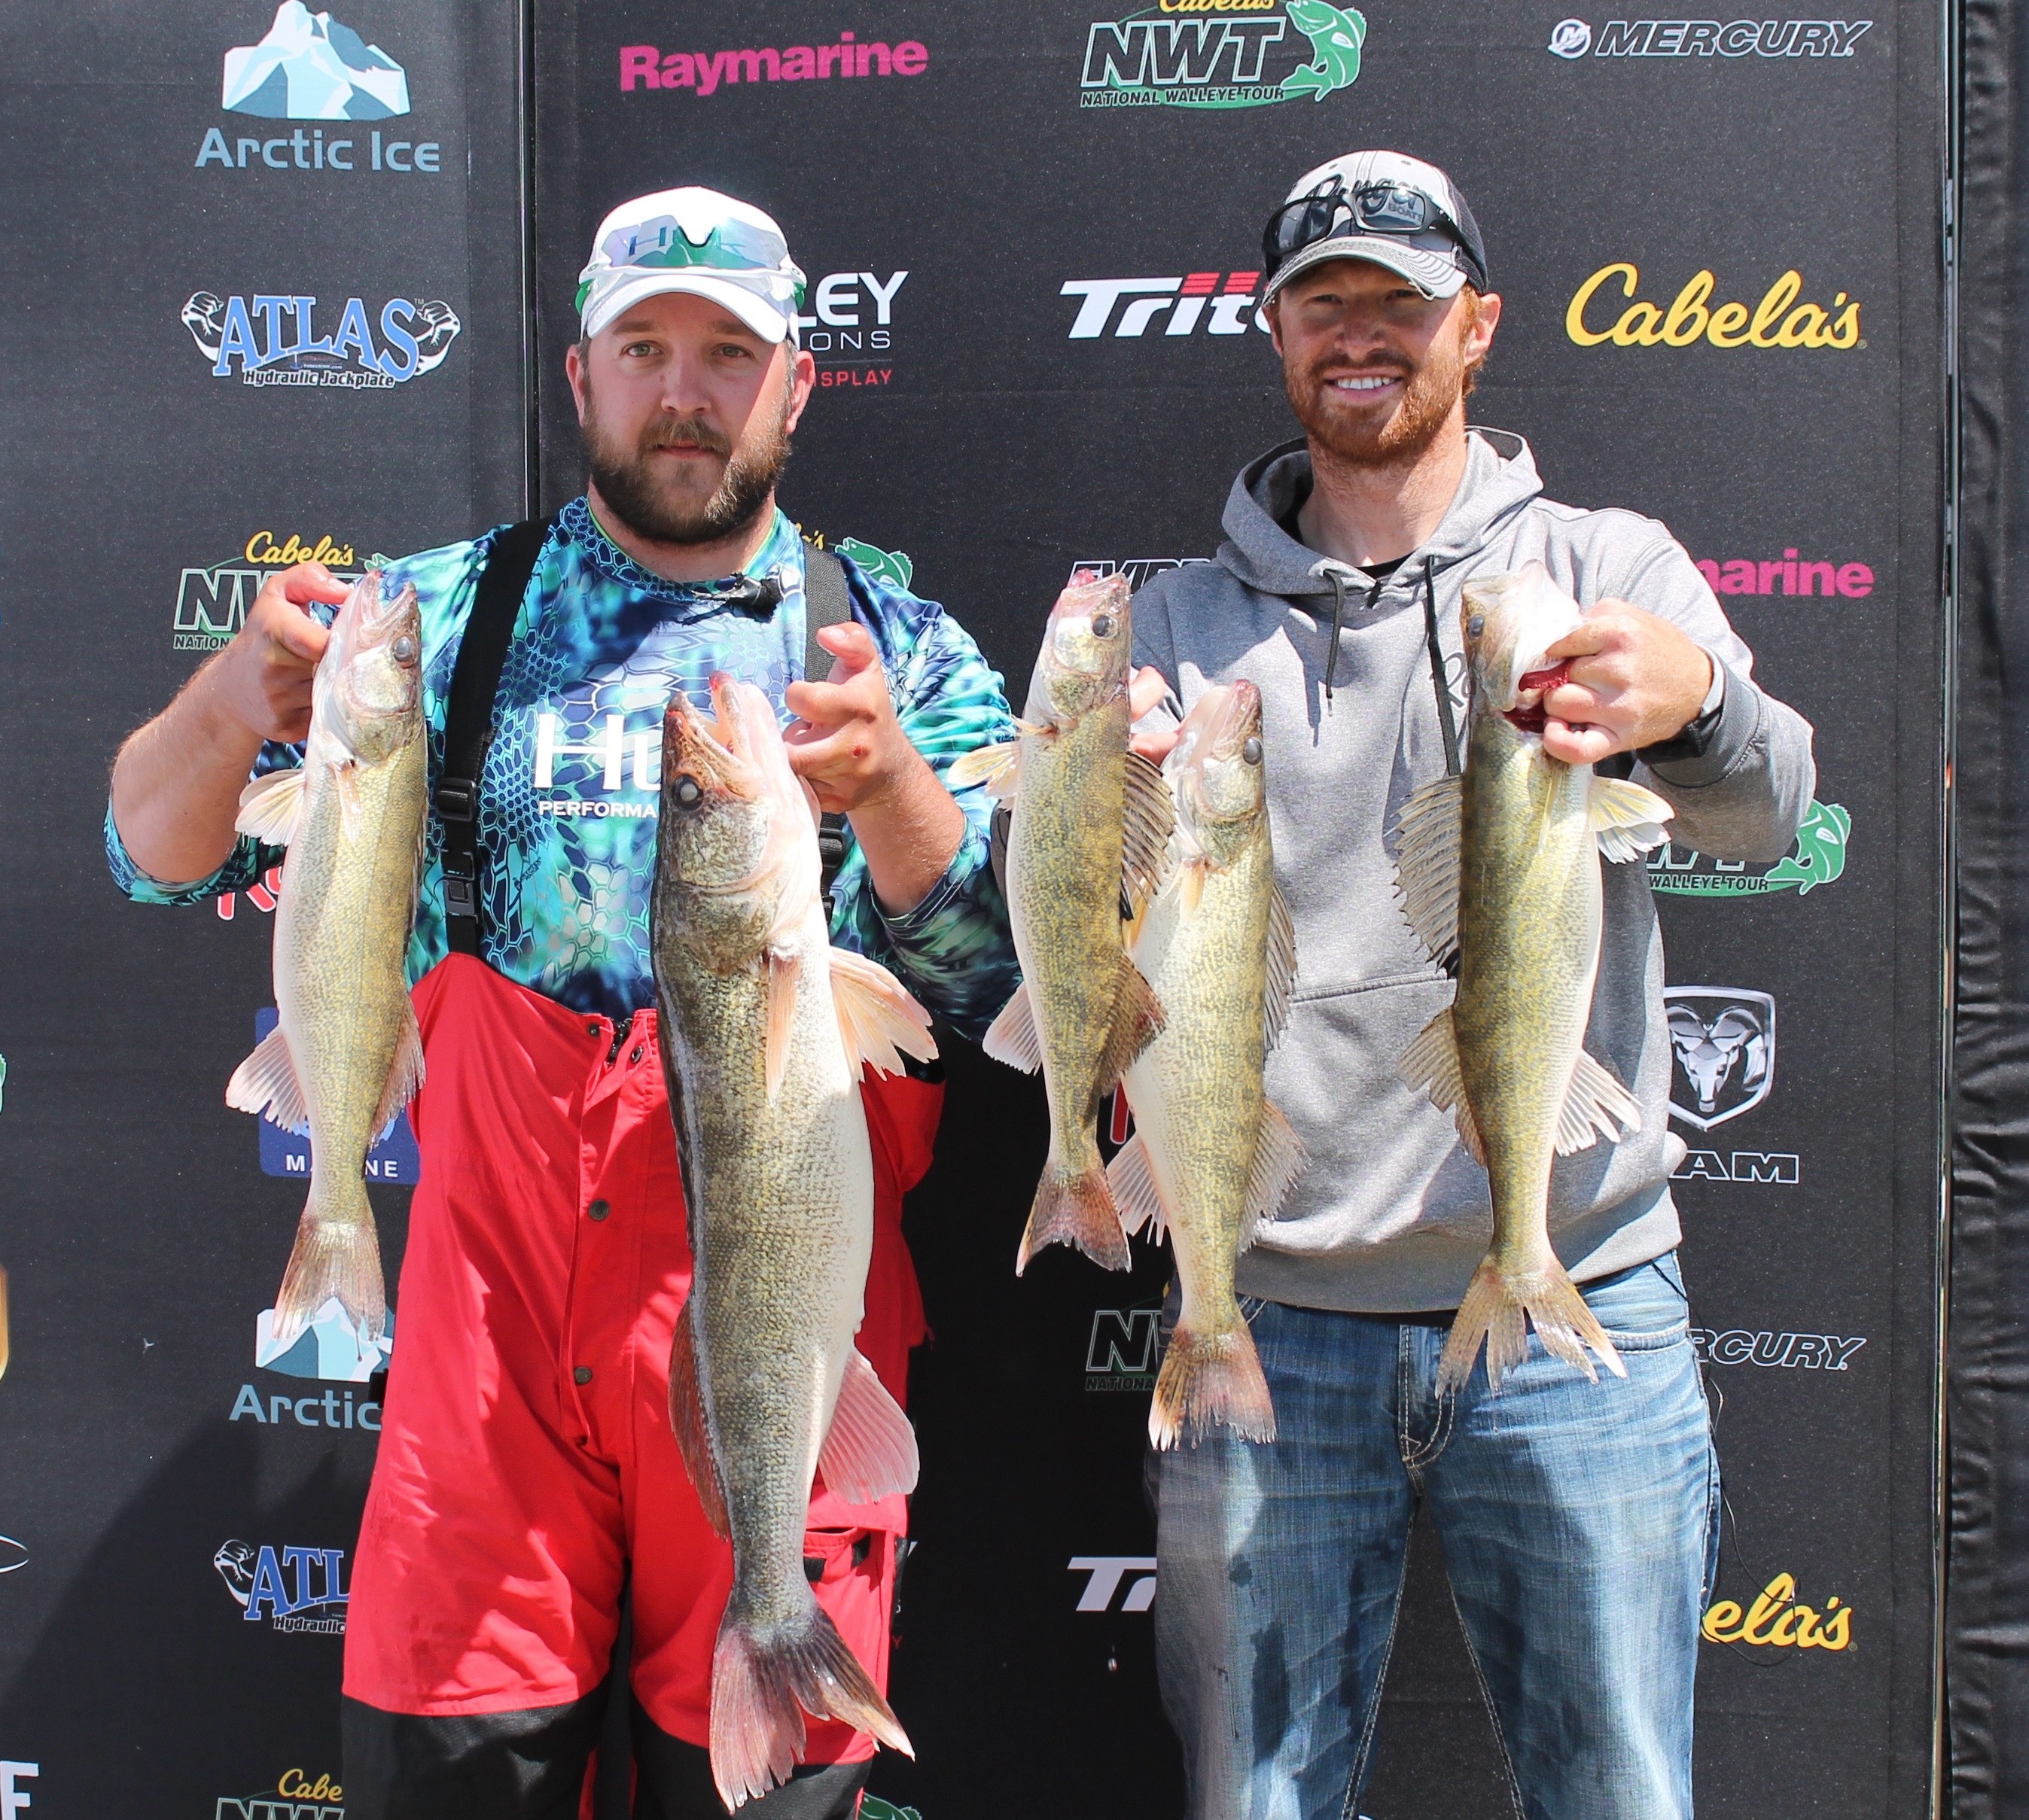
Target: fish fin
x=1427, y=864
x=687, y=1423
x=1432, y=1063
x=1208, y=1379
x=782, y=968
x=271, y=808
x=345, y=781
x=1627, y=818
x=870, y=1450
x=404, y=1077
x=879, y=1020
x=1597, y=1106
x=1188, y=881
x=1149, y=813
x=1278, y=1160
x=1137, y=1020
x=997, y=768
x=339, y=1257
x=763, y=1685
x=266, y=1081
x=1012, y=1037
x=1075, y=1208
x=1281, y=968
x=1132, y=1181
x=1035, y=729
x=1499, y=1309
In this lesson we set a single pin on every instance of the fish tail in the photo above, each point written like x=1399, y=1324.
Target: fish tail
x=1207, y=1378
x=1075, y=1206
x=338, y=1257
x=763, y=1683
x=1501, y=1305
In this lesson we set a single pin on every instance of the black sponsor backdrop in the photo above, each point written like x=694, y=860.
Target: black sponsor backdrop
x=995, y=451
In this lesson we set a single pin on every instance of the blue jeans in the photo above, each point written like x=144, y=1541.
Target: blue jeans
x=1579, y=1525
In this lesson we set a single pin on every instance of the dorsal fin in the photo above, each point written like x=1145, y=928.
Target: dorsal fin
x=1148, y=815
x=1427, y=864
x=1281, y=967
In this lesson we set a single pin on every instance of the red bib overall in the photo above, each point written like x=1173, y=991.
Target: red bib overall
x=526, y=1469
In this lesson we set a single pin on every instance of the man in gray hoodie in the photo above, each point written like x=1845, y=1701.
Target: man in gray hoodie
x=1578, y=1521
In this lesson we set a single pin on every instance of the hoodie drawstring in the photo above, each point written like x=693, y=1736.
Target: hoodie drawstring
x=1445, y=721
x=1337, y=572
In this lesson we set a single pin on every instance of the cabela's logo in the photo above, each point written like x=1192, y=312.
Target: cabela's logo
x=309, y=1595
x=212, y=603
x=1723, y=1051
x=296, y=1796
x=1223, y=53
x=414, y=337
x=1776, y=1621
x=1818, y=858
x=1778, y=320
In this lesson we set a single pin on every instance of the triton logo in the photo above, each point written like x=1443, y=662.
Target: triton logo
x=1722, y=1039
x=1224, y=301
x=1809, y=1351
x=1104, y=1574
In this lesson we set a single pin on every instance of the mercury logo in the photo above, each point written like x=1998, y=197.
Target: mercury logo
x=1793, y=1351
x=1816, y=38
x=1225, y=302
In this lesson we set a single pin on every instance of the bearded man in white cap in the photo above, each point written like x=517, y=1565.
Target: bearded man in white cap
x=1579, y=1520
x=526, y=1472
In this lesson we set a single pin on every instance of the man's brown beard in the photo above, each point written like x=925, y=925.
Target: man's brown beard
x=659, y=511
x=1433, y=390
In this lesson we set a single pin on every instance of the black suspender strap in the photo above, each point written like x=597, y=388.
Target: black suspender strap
x=827, y=601
x=1446, y=723
x=469, y=720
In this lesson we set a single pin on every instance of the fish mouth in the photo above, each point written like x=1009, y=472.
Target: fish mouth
x=1510, y=622
x=1088, y=626
x=716, y=749
x=1217, y=759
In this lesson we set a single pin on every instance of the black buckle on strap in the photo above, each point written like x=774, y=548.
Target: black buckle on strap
x=457, y=799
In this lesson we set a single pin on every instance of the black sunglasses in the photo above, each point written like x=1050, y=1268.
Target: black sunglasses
x=1383, y=207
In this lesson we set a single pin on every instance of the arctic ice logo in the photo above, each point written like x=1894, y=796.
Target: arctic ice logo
x=414, y=337
x=1722, y=1046
x=1105, y=1572
x=1226, y=309
x=310, y=1595
x=310, y=67
x=1572, y=37
x=1243, y=57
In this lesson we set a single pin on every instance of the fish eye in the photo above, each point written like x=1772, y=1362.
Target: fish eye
x=403, y=650
x=1476, y=624
x=688, y=792
x=1250, y=750
x=1102, y=625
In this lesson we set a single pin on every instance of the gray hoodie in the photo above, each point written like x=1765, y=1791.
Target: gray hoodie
x=1391, y=1216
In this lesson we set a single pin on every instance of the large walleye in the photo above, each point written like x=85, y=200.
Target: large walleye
x=1210, y=1157
x=1501, y=869
x=345, y=1054
x=1091, y=821
x=764, y=1028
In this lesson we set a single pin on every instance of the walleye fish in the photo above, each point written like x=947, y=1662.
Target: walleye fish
x=345, y=1055
x=1501, y=869
x=1210, y=1157
x=1085, y=848
x=765, y=1026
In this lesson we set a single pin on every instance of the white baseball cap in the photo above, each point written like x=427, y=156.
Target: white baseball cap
x=699, y=242
x=1383, y=207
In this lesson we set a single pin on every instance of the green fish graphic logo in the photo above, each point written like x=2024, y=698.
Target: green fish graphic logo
x=1818, y=856
x=891, y=566
x=1336, y=34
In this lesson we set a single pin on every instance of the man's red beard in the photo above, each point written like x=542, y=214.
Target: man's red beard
x=646, y=494
x=1433, y=391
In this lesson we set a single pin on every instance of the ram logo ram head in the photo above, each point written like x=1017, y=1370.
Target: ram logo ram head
x=1722, y=1046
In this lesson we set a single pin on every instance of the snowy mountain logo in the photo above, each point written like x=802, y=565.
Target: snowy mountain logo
x=310, y=67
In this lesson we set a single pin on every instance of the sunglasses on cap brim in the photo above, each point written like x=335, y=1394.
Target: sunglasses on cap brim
x=1395, y=210
x=736, y=248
